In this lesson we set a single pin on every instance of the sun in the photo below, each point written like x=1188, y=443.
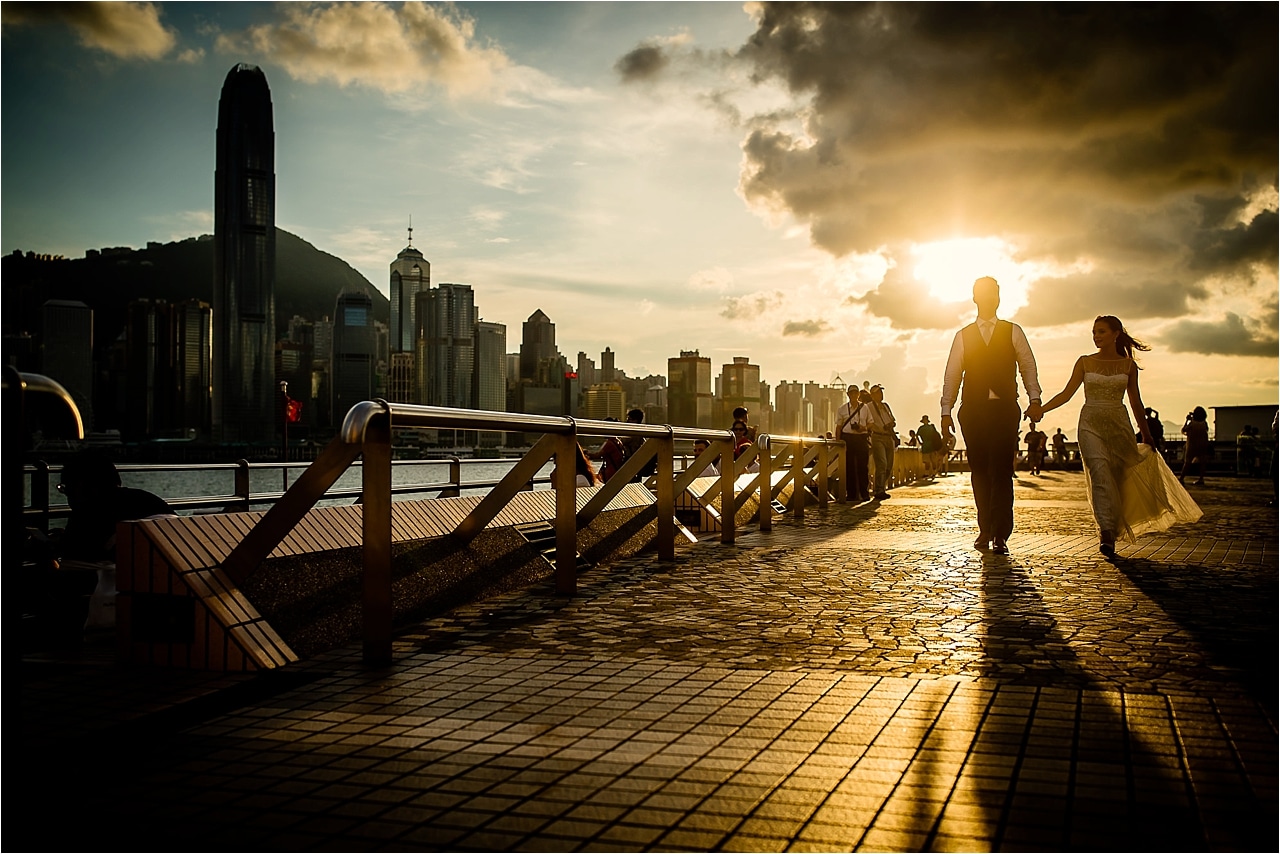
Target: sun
x=948, y=268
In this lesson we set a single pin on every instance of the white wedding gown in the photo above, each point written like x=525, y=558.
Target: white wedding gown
x=1131, y=489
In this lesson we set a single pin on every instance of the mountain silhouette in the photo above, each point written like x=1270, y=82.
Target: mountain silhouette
x=308, y=282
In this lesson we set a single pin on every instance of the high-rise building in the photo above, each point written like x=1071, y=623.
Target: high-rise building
x=150, y=381
x=244, y=265
x=793, y=414
x=67, y=354
x=351, y=378
x=445, y=361
x=689, y=395
x=604, y=400
x=490, y=383
x=192, y=327
x=586, y=370
x=322, y=332
x=410, y=275
x=401, y=387
x=537, y=345
x=606, y=366
x=740, y=386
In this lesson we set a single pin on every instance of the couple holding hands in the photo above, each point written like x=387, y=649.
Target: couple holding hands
x=1131, y=490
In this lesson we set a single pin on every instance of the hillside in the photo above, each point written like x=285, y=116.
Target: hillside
x=308, y=282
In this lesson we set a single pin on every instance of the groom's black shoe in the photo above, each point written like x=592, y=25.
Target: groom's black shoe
x=982, y=543
x=1000, y=547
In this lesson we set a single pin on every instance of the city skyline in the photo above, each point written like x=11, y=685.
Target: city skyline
x=666, y=177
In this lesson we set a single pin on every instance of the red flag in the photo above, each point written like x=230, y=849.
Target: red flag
x=293, y=411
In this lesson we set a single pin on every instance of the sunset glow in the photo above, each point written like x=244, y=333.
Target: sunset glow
x=786, y=182
x=948, y=268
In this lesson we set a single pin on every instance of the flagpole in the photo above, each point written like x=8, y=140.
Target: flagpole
x=284, y=456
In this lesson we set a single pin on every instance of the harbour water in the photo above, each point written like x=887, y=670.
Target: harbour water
x=174, y=483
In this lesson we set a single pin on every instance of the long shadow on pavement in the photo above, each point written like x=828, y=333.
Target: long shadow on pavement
x=1230, y=611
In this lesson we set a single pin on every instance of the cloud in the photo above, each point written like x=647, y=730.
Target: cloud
x=753, y=306
x=123, y=30
x=805, y=328
x=1084, y=296
x=1121, y=145
x=391, y=50
x=653, y=56
x=1226, y=249
x=717, y=279
x=1232, y=335
x=645, y=62
x=908, y=305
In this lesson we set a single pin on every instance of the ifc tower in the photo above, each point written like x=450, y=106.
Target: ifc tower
x=244, y=266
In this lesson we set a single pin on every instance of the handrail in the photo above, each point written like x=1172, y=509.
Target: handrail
x=804, y=453
x=367, y=433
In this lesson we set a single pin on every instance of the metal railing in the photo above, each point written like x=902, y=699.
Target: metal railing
x=366, y=432
x=39, y=477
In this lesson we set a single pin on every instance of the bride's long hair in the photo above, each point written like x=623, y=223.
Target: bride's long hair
x=1125, y=343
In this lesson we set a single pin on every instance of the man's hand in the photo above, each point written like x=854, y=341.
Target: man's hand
x=948, y=428
x=1034, y=412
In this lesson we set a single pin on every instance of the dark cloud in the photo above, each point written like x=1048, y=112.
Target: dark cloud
x=1225, y=249
x=123, y=30
x=643, y=63
x=1231, y=336
x=1084, y=296
x=805, y=328
x=1125, y=140
x=908, y=304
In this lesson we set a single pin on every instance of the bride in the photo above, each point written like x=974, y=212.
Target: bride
x=1131, y=490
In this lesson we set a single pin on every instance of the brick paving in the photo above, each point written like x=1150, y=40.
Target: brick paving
x=859, y=680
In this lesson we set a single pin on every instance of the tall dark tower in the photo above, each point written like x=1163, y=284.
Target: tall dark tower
x=244, y=266
x=410, y=275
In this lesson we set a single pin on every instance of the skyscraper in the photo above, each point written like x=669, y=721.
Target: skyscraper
x=150, y=384
x=490, y=384
x=193, y=358
x=410, y=275
x=68, y=351
x=244, y=265
x=537, y=344
x=606, y=374
x=446, y=345
x=740, y=386
x=354, y=353
x=689, y=390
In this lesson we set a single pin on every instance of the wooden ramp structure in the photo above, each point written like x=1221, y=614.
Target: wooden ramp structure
x=178, y=607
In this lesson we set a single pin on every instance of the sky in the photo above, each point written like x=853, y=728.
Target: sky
x=813, y=187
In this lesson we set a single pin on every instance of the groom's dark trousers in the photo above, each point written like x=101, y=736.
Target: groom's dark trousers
x=990, y=429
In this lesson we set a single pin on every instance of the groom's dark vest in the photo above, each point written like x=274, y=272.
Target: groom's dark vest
x=989, y=367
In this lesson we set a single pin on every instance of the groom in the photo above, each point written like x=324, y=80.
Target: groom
x=981, y=368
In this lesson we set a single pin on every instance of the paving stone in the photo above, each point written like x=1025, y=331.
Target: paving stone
x=861, y=678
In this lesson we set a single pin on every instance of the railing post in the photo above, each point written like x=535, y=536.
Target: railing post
x=564, y=481
x=242, y=482
x=798, y=491
x=376, y=610
x=823, y=460
x=667, y=496
x=766, y=484
x=455, y=477
x=728, y=502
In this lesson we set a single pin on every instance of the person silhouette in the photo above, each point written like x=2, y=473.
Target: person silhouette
x=1130, y=489
x=980, y=371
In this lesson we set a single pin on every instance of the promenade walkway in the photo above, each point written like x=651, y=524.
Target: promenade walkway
x=863, y=680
